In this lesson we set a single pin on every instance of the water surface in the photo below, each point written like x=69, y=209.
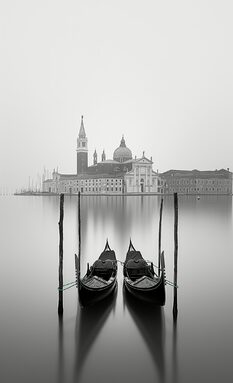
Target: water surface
x=118, y=340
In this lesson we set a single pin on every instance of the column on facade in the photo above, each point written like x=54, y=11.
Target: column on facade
x=135, y=179
x=149, y=177
x=139, y=178
x=151, y=180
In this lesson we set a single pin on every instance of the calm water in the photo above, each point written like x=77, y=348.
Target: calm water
x=117, y=341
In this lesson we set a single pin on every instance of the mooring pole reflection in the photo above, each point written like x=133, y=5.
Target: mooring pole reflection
x=175, y=370
x=60, y=376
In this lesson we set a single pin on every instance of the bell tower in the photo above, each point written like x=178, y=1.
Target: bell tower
x=82, y=150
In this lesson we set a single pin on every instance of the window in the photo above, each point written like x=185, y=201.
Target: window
x=83, y=144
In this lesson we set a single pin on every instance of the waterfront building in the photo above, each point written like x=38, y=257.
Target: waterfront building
x=85, y=183
x=142, y=178
x=119, y=175
x=196, y=182
x=124, y=174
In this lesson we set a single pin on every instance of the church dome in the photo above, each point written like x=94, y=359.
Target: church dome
x=122, y=153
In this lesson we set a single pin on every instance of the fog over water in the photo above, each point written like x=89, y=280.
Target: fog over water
x=118, y=340
x=161, y=74
x=158, y=71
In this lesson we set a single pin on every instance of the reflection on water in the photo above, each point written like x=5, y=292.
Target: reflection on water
x=150, y=322
x=60, y=374
x=118, y=340
x=89, y=322
x=175, y=368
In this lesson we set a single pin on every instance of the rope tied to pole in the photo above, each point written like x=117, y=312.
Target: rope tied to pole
x=122, y=263
x=70, y=283
x=66, y=288
x=169, y=283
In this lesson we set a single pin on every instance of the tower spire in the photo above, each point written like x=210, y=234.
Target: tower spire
x=82, y=150
x=82, y=133
x=103, y=157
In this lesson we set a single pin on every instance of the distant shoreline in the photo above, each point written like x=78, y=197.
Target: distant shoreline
x=47, y=194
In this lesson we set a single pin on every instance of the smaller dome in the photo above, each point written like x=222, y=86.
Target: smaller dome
x=122, y=153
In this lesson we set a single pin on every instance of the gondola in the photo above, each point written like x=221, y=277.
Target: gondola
x=100, y=279
x=140, y=279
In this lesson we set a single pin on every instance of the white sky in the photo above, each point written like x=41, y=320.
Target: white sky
x=161, y=72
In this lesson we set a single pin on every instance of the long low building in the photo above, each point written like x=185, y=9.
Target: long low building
x=197, y=182
x=88, y=184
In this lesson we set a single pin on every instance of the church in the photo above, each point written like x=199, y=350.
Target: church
x=126, y=175
x=122, y=174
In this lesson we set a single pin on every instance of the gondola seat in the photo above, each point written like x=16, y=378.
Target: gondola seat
x=103, y=269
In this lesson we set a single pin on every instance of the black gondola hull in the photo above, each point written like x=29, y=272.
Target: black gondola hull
x=155, y=295
x=89, y=296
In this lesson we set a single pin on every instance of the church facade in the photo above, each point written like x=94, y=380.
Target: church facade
x=124, y=174
x=120, y=175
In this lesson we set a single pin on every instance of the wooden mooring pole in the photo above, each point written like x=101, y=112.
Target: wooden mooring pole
x=77, y=258
x=60, y=271
x=175, y=309
x=160, y=228
x=79, y=226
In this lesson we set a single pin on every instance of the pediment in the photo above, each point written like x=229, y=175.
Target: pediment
x=143, y=161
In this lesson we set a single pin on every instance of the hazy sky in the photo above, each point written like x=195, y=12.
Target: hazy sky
x=159, y=72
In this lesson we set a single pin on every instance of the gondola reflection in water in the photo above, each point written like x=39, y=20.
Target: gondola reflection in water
x=90, y=321
x=150, y=322
x=140, y=279
x=100, y=279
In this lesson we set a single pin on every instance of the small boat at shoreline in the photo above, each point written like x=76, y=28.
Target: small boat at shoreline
x=99, y=280
x=140, y=279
